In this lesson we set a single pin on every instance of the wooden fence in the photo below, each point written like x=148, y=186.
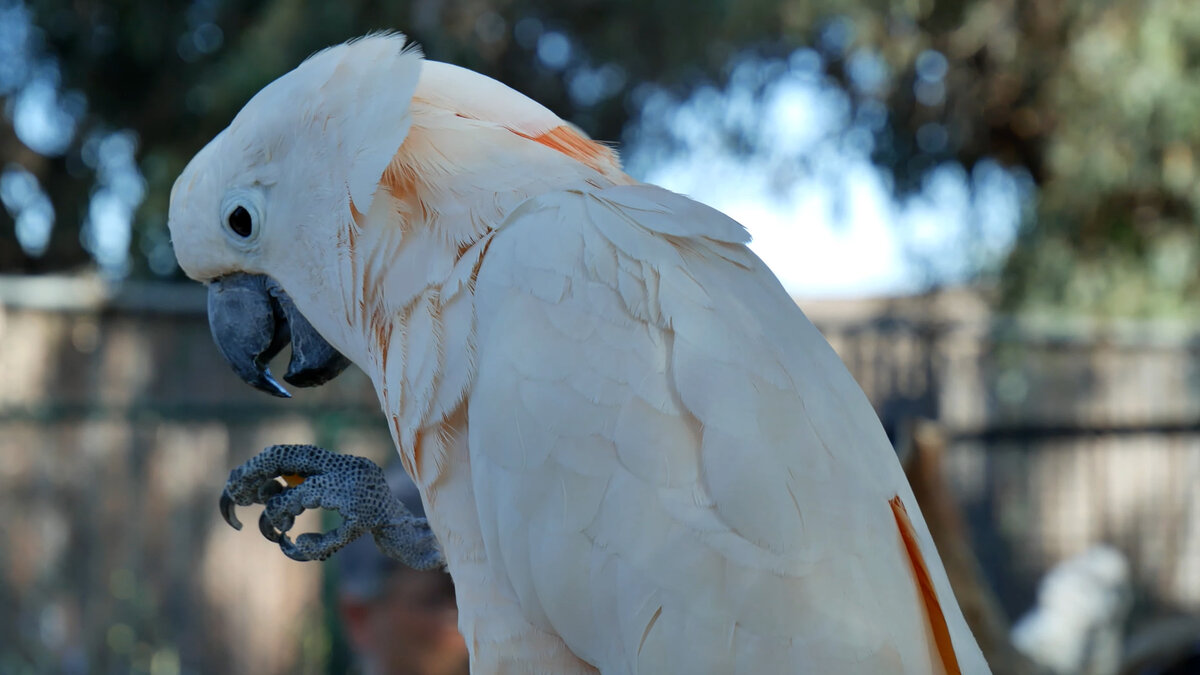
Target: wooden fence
x=1066, y=433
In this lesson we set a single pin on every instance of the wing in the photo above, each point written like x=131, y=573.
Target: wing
x=673, y=469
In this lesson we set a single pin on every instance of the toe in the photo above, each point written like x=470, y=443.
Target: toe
x=319, y=546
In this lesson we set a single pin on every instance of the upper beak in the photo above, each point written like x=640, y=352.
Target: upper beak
x=252, y=318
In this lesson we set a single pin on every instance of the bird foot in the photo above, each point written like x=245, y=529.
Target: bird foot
x=317, y=478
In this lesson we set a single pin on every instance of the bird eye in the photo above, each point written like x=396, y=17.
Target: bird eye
x=240, y=222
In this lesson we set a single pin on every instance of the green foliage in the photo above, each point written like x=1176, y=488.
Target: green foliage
x=1099, y=103
x=1096, y=101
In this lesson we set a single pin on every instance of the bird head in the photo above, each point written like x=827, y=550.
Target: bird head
x=257, y=214
x=350, y=186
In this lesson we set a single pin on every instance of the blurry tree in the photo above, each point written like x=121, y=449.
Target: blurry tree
x=1098, y=101
x=1094, y=100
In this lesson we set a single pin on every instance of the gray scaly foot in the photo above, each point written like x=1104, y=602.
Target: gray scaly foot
x=353, y=486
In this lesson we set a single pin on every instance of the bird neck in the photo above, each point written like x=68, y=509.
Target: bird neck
x=409, y=264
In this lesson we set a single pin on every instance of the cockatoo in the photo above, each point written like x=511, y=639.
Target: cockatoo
x=1078, y=624
x=636, y=454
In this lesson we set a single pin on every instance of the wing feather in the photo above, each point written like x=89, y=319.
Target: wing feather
x=673, y=469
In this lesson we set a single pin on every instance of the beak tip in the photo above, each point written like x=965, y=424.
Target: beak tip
x=271, y=386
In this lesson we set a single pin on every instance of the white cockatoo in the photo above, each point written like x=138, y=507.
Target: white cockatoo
x=1078, y=624
x=636, y=453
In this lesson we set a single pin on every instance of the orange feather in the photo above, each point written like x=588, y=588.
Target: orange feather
x=942, y=645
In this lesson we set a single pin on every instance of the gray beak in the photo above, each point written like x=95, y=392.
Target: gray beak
x=252, y=318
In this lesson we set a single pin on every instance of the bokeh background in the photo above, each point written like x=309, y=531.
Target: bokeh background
x=988, y=206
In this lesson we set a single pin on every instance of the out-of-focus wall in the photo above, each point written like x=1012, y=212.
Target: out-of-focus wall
x=119, y=422
x=1064, y=432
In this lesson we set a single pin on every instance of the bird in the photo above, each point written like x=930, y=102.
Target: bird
x=1077, y=626
x=634, y=451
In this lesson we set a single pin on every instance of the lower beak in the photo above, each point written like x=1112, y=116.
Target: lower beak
x=252, y=318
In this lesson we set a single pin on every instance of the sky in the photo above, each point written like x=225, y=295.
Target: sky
x=821, y=215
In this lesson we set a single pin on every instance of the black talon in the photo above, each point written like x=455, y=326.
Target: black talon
x=268, y=530
x=274, y=522
x=292, y=551
x=227, y=507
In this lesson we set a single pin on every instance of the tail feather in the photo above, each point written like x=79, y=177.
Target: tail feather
x=942, y=646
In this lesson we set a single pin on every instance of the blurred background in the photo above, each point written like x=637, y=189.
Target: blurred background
x=988, y=206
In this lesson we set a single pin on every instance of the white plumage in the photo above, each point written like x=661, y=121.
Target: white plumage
x=638, y=454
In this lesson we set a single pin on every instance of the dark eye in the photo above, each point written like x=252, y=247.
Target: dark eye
x=240, y=222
